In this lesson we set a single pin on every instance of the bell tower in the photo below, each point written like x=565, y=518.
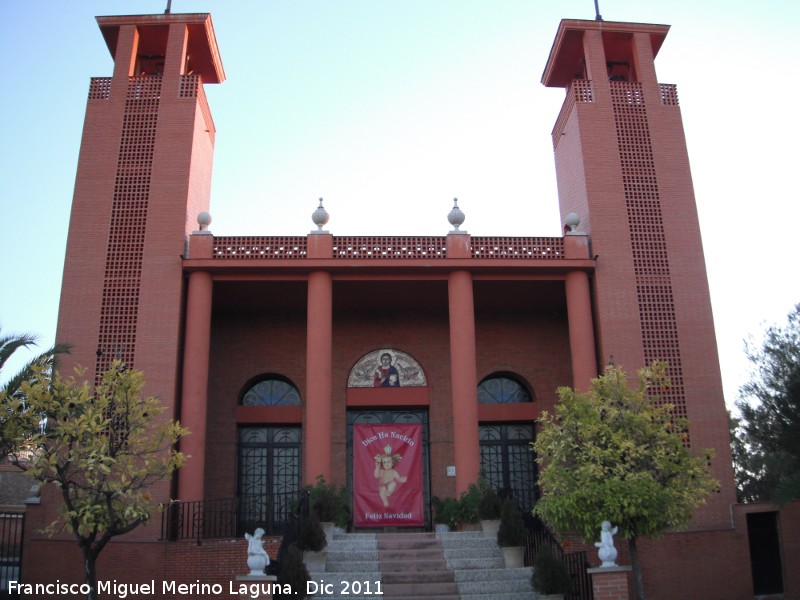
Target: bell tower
x=144, y=173
x=622, y=165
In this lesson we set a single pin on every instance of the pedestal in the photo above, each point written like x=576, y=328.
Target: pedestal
x=265, y=583
x=610, y=583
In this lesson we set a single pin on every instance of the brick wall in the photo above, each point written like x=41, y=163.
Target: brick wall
x=610, y=584
x=695, y=565
x=136, y=563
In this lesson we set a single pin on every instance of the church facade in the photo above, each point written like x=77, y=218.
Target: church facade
x=295, y=357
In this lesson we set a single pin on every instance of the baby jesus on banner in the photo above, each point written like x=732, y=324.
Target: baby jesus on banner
x=384, y=471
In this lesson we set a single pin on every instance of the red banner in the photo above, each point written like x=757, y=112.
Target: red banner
x=387, y=476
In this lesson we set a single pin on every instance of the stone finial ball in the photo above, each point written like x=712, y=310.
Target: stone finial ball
x=320, y=216
x=204, y=219
x=572, y=220
x=456, y=215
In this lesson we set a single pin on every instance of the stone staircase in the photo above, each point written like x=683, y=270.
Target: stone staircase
x=451, y=566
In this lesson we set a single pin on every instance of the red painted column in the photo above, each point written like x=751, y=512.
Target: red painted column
x=579, y=314
x=463, y=379
x=581, y=330
x=319, y=347
x=195, y=385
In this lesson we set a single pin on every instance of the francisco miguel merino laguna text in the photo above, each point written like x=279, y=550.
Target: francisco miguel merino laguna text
x=123, y=590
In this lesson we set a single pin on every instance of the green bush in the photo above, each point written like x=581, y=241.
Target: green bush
x=445, y=511
x=312, y=537
x=329, y=502
x=550, y=575
x=468, y=504
x=512, y=531
x=489, y=503
x=294, y=573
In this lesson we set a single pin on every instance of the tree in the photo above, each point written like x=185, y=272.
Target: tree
x=756, y=473
x=11, y=401
x=770, y=408
x=619, y=454
x=103, y=449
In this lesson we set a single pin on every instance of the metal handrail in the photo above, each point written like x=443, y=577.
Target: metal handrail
x=539, y=536
x=228, y=517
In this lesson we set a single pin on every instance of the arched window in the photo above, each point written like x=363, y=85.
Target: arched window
x=272, y=391
x=502, y=389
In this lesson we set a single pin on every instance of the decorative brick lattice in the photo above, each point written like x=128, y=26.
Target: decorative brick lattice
x=582, y=90
x=518, y=248
x=669, y=94
x=377, y=248
x=100, y=88
x=650, y=259
x=126, y=238
x=626, y=93
x=254, y=248
x=188, y=86
x=142, y=90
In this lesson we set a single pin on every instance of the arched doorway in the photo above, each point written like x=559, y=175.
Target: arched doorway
x=269, y=441
x=387, y=394
x=505, y=432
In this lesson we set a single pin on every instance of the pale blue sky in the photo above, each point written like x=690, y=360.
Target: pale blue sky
x=390, y=109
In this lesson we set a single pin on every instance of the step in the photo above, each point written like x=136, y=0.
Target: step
x=424, y=554
x=420, y=589
x=412, y=577
x=478, y=565
x=428, y=566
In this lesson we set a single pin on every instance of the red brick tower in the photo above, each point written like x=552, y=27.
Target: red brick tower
x=144, y=174
x=622, y=165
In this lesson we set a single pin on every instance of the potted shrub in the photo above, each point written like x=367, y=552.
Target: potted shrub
x=511, y=534
x=468, y=508
x=445, y=514
x=550, y=579
x=294, y=574
x=330, y=505
x=312, y=542
x=489, y=506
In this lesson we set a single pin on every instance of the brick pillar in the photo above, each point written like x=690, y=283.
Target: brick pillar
x=463, y=379
x=125, y=56
x=195, y=385
x=645, y=67
x=319, y=346
x=610, y=583
x=596, y=69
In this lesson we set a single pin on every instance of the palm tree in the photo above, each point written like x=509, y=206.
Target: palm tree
x=11, y=400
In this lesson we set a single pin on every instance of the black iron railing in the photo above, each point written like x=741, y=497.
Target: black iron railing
x=11, y=528
x=228, y=517
x=540, y=536
x=291, y=532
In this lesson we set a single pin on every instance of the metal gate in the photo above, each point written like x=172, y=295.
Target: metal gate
x=269, y=469
x=508, y=462
x=11, y=528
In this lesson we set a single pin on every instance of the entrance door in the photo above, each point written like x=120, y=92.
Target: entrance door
x=508, y=462
x=765, y=553
x=269, y=475
x=385, y=417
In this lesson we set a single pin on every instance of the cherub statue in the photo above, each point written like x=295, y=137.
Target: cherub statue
x=257, y=557
x=606, y=551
